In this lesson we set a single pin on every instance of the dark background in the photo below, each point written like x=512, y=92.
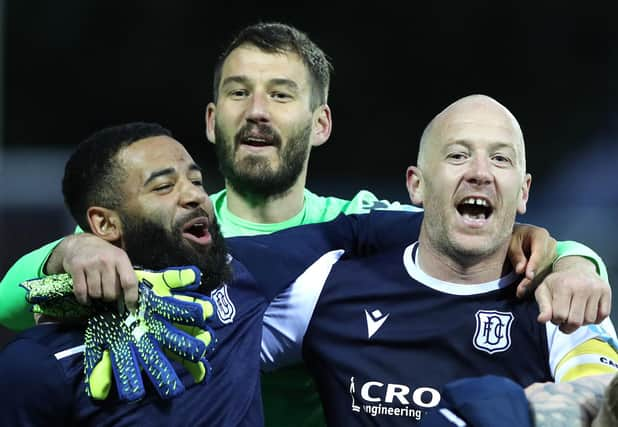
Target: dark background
x=70, y=67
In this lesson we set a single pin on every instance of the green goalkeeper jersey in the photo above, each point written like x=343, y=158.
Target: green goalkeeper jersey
x=290, y=399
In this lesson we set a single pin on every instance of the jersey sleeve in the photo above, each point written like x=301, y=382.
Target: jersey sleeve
x=590, y=350
x=34, y=389
x=15, y=312
x=287, y=317
x=571, y=248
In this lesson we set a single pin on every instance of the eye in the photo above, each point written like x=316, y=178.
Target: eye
x=501, y=159
x=163, y=188
x=238, y=93
x=197, y=182
x=281, y=96
x=457, y=157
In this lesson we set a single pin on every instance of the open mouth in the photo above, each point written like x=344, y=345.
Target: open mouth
x=256, y=141
x=197, y=230
x=475, y=208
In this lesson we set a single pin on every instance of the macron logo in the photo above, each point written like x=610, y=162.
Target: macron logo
x=375, y=320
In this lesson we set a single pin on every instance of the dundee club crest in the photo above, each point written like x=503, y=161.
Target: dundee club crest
x=225, y=307
x=493, y=331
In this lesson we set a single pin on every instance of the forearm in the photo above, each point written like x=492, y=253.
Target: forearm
x=15, y=312
x=567, y=404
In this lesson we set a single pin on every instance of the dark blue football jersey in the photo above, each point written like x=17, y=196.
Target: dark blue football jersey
x=42, y=369
x=382, y=338
x=43, y=381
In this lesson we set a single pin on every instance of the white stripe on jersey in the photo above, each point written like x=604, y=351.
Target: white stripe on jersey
x=69, y=352
x=288, y=315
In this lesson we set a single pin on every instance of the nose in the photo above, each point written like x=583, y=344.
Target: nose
x=193, y=196
x=257, y=111
x=479, y=172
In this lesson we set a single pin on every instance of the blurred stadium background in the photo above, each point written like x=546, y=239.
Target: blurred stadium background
x=68, y=68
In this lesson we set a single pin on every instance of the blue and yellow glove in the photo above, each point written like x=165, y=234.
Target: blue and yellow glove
x=169, y=317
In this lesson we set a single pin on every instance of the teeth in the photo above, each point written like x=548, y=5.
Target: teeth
x=475, y=201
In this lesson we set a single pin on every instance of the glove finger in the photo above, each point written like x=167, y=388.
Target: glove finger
x=207, y=303
x=178, y=341
x=206, y=335
x=176, y=310
x=200, y=371
x=172, y=278
x=108, y=331
x=63, y=308
x=48, y=288
x=158, y=367
x=99, y=377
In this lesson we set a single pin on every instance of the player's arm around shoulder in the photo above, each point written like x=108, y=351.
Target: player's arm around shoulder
x=15, y=312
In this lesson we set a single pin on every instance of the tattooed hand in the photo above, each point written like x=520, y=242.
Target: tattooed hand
x=567, y=404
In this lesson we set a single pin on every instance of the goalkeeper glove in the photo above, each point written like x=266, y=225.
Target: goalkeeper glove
x=121, y=344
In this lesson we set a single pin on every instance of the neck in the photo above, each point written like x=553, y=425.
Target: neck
x=460, y=268
x=267, y=209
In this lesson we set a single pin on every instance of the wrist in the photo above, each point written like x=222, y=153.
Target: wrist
x=55, y=262
x=574, y=262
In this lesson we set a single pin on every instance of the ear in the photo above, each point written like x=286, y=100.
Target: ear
x=525, y=192
x=414, y=183
x=210, y=122
x=104, y=223
x=322, y=125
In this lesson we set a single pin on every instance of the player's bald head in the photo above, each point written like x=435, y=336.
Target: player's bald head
x=480, y=110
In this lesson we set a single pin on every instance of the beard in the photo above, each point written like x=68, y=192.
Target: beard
x=254, y=175
x=150, y=245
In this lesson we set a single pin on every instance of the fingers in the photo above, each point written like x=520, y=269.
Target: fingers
x=531, y=250
x=574, y=299
x=80, y=286
x=100, y=270
x=127, y=282
x=542, y=252
x=591, y=310
x=524, y=288
x=604, y=308
x=544, y=300
x=516, y=254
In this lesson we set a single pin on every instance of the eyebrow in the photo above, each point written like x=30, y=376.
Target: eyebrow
x=169, y=171
x=161, y=172
x=235, y=79
x=493, y=145
x=291, y=84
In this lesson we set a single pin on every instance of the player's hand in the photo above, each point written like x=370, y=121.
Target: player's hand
x=573, y=295
x=531, y=252
x=53, y=296
x=121, y=345
x=182, y=284
x=99, y=269
x=572, y=403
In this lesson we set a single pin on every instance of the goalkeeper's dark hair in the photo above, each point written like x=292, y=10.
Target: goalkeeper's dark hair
x=275, y=37
x=93, y=175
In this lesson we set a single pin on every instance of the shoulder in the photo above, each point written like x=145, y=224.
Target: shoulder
x=33, y=378
x=33, y=353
